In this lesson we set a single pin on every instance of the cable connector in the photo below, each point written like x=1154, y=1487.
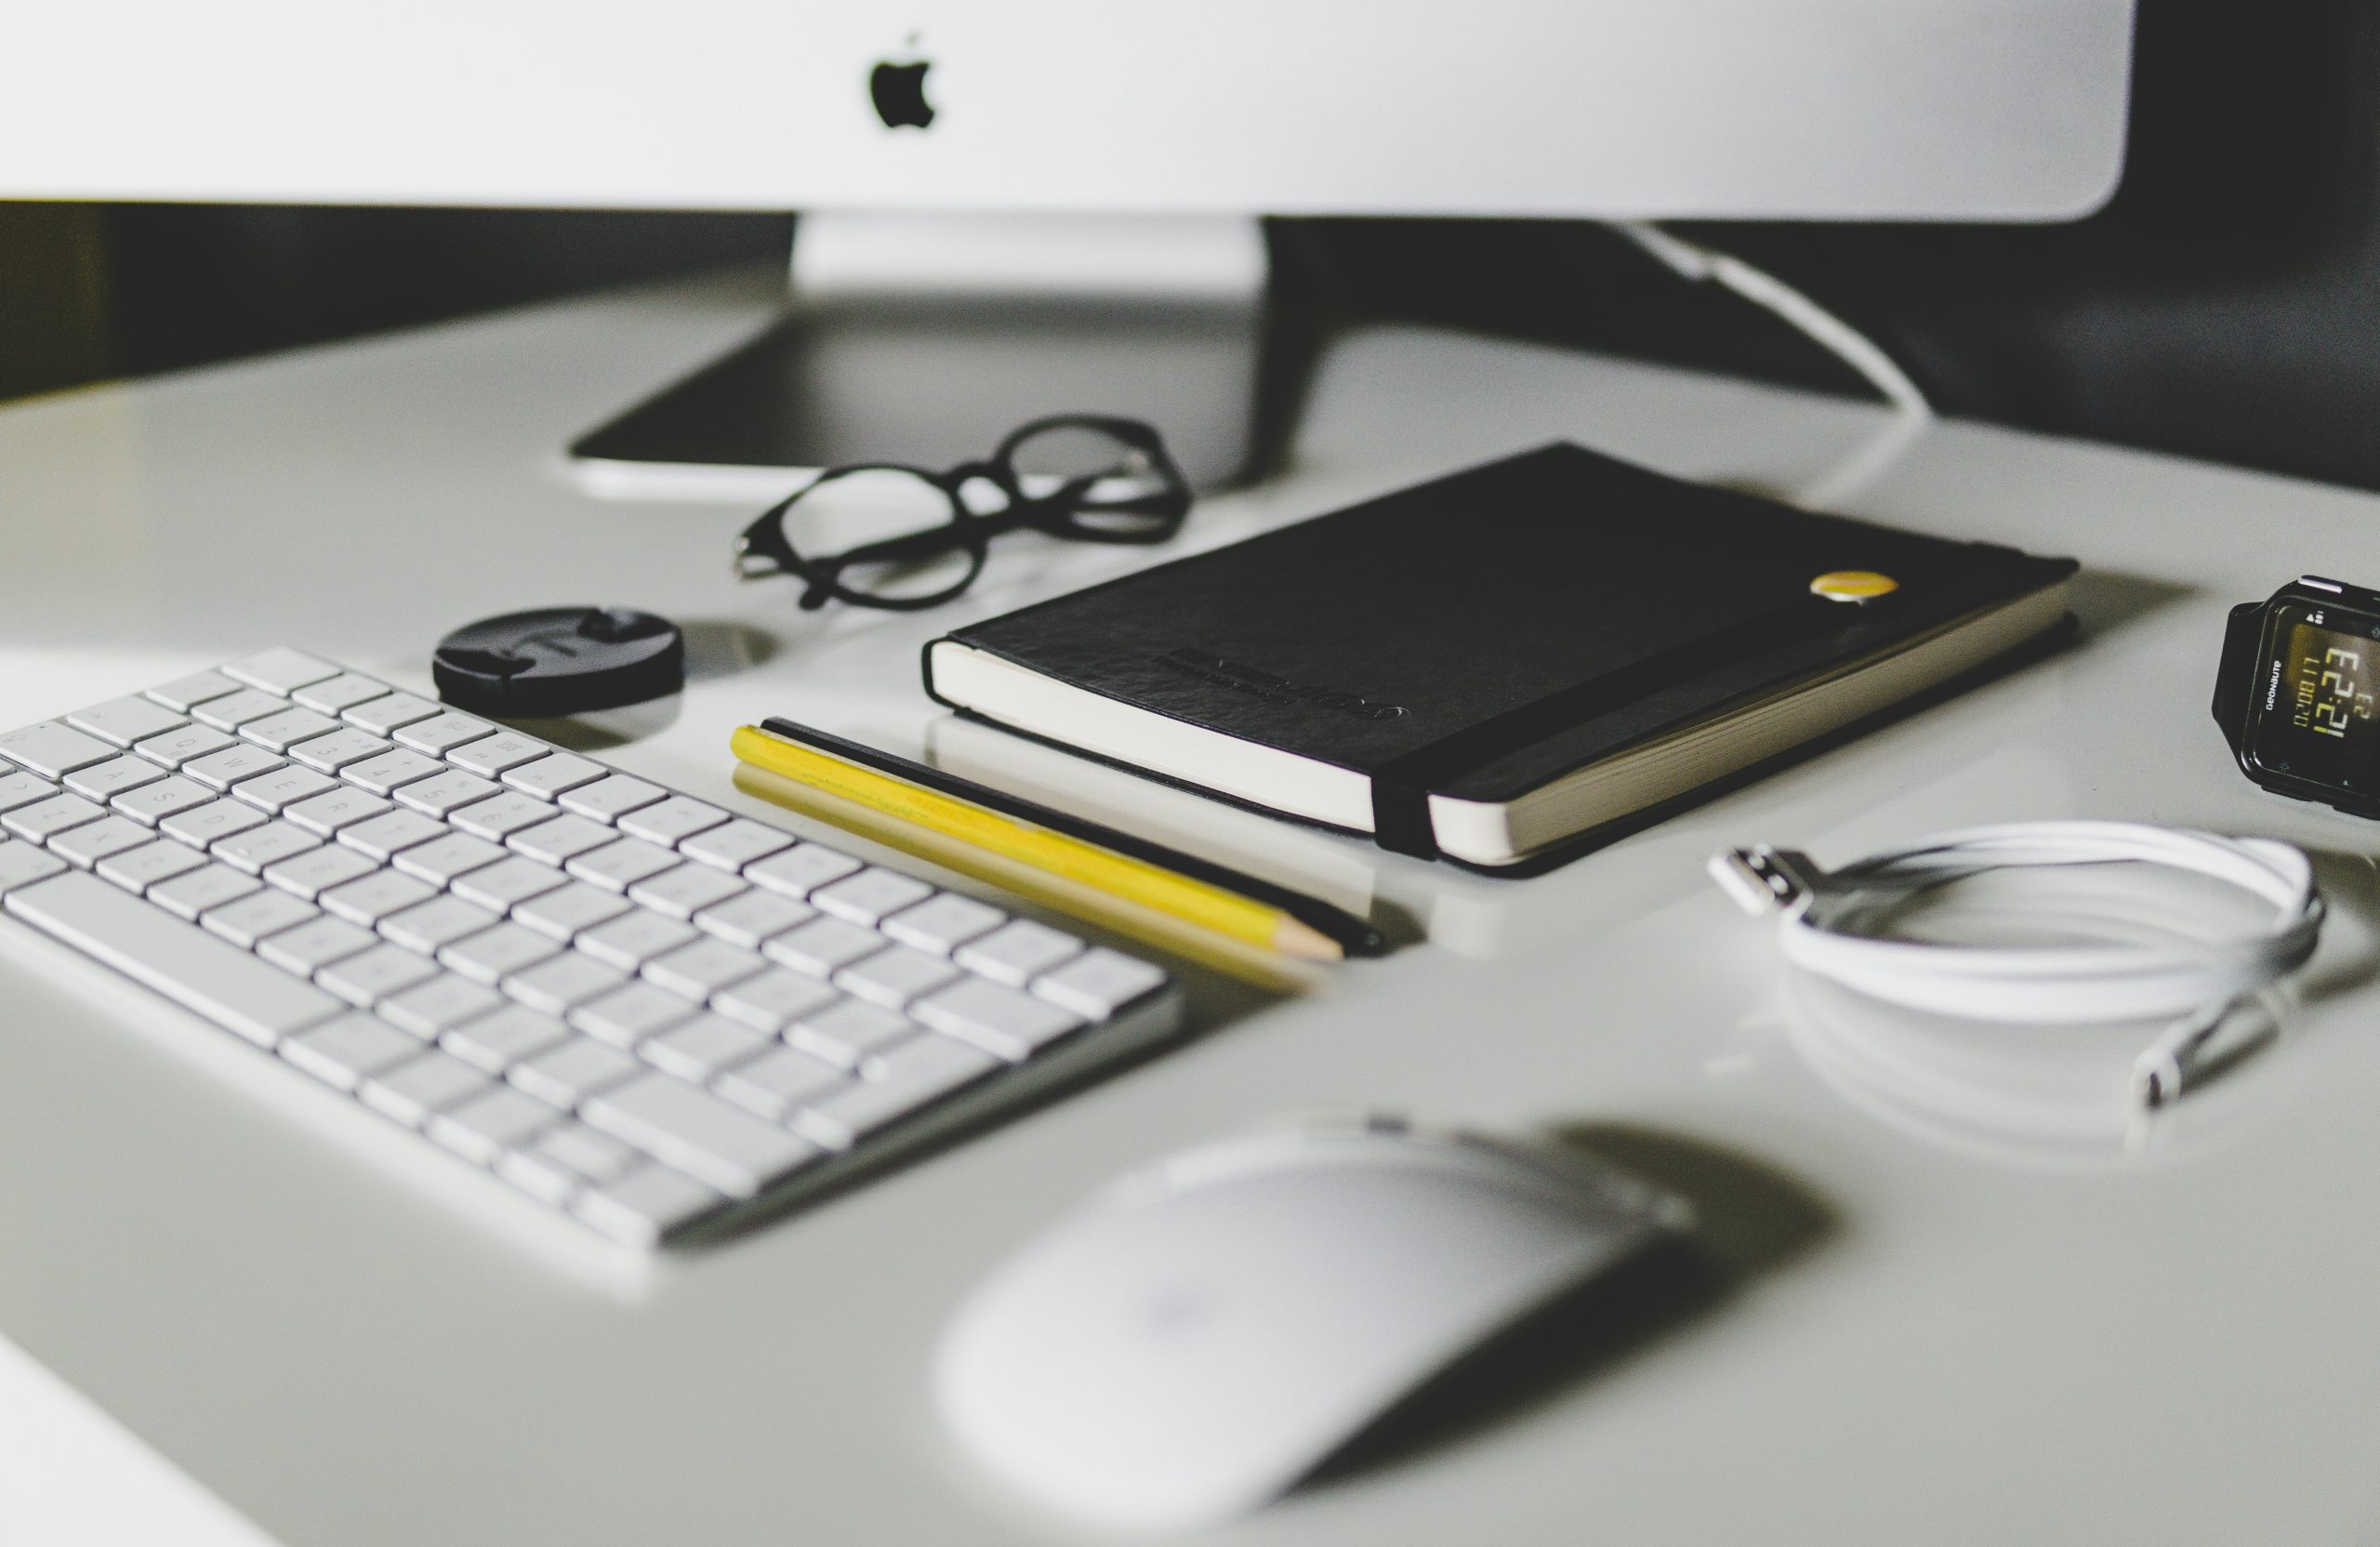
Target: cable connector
x=1764, y=880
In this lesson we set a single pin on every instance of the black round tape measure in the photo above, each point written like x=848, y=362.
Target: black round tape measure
x=559, y=661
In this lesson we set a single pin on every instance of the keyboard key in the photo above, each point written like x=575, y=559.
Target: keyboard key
x=390, y=834
x=703, y=1048
x=23, y=789
x=341, y=692
x=446, y=793
x=126, y=721
x=508, y=881
x=440, y=1003
x=553, y=773
x=735, y=845
x=317, y=871
x=693, y=1131
x=279, y=731
x=260, y=847
x=552, y=986
x=570, y=1073
x=849, y=1031
x=351, y=1050
x=570, y=910
x=1017, y=952
x=411, y=1093
x=496, y=954
x=442, y=731
x=486, y=1126
x=667, y=821
x=159, y=951
x=498, y=1040
x=385, y=772
x=944, y=923
x=702, y=968
x=177, y=748
x=608, y=797
x=221, y=770
x=499, y=816
x=277, y=791
x=896, y=975
x=686, y=889
x=369, y=899
x=188, y=896
x=569, y=1155
x=1099, y=983
x=44, y=818
x=334, y=809
x=620, y=865
x=315, y=944
x=646, y=1205
x=767, y=1000
x=235, y=709
x=795, y=872
x=632, y=1012
x=202, y=827
x=635, y=938
x=563, y=839
x=869, y=895
x=85, y=845
x=436, y=924
x=152, y=803
x=258, y=917
x=102, y=781
x=442, y=860
x=188, y=693
x=773, y=1084
x=1001, y=1021
x=152, y=863
x=908, y=1078
x=281, y=670
x=386, y=713
x=367, y=977
x=21, y=865
x=335, y=751
x=752, y=917
x=492, y=755
x=53, y=751
x=822, y=946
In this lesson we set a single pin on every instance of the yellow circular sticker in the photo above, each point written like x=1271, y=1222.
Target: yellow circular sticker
x=1852, y=585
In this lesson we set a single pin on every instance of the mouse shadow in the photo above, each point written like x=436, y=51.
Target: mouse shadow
x=1751, y=1222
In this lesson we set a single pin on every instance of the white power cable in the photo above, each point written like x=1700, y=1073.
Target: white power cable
x=2198, y=982
x=1694, y=261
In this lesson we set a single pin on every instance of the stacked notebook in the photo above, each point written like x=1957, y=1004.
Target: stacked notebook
x=1505, y=664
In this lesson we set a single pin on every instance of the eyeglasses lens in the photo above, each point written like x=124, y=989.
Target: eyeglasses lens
x=903, y=517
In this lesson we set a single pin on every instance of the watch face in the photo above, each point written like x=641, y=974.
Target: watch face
x=2314, y=710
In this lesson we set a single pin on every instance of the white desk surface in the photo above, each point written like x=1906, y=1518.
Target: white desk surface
x=1961, y=1305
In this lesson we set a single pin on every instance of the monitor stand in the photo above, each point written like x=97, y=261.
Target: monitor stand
x=924, y=340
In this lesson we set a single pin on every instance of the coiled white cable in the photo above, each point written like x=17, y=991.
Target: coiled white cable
x=2198, y=982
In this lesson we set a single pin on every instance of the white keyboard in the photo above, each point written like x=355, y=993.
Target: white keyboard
x=631, y=1005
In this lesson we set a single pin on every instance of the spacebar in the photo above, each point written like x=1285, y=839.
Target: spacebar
x=183, y=962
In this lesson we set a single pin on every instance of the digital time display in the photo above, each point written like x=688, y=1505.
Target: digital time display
x=2317, y=699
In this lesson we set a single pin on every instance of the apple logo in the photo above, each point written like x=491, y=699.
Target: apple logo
x=899, y=92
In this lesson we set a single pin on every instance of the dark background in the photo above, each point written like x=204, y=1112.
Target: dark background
x=2225, y=304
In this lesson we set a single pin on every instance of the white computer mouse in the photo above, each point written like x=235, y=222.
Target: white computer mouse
x=1210, y=1328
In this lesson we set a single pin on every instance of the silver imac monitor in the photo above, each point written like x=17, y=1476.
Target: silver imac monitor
x=1059, y=196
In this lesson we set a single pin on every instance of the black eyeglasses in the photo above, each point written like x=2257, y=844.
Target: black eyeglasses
x=882, y=535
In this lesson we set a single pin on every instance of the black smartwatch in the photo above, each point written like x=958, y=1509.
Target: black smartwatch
x=2294, y=695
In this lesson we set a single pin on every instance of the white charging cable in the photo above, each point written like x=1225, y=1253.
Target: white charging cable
x=1695, y=261
x=2198, y=982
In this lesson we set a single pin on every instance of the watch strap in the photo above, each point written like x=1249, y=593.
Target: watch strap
x=2235, y=679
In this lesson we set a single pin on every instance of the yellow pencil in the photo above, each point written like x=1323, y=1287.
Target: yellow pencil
x=1196, y=902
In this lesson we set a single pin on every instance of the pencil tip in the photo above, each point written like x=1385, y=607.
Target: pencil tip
x=1294, y=938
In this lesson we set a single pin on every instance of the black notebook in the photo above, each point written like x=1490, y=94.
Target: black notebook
x=1497, y=663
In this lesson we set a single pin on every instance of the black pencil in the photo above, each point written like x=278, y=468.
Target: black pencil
x=1353, y=935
